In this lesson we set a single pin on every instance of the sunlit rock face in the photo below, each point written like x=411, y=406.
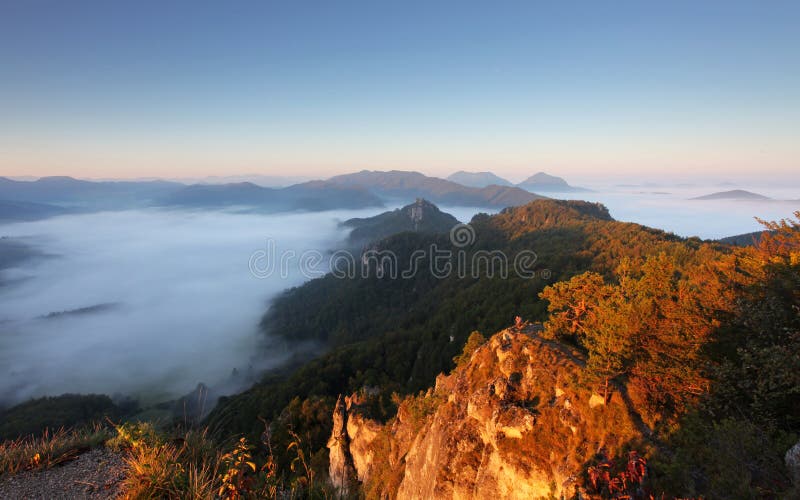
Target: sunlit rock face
x=351, y=456
x=341, y=469
x=513, y=422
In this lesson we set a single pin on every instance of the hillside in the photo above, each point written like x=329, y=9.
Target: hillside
x=323, y=195
x=399, y=334
x=389, y=336
x=420, y=216
x=309, y=196
x=403, y=185
x=742, y=240
x=477, y=179
x=17, y=211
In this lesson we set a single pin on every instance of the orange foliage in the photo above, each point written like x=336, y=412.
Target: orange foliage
x=651, y=323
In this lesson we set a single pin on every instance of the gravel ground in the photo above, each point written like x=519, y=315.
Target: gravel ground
x=94, y=474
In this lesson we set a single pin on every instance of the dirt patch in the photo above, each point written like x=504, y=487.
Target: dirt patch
x=95, y=474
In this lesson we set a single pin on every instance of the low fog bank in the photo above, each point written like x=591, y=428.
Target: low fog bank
x=671, y=208
x=146, y=303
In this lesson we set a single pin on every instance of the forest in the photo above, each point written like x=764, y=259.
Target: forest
x=704, y=336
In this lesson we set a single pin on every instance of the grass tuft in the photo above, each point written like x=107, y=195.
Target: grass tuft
x=49, y=449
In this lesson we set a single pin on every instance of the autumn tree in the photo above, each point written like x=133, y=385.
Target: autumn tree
x=650, y=323
x=583, y=309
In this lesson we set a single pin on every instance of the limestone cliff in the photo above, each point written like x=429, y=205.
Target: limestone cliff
x=351, y=455
x=513, y=422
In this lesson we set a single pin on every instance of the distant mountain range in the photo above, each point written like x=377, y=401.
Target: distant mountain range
x=26, y=200
x=537, y=183
x=477, y=179
x=257, y=179
x=68, y=192
x=421, y=216
x=736, y=194
x=22, y=200
x=309, y=196
x=53, y=195
x=403, y=185
x=49, y=196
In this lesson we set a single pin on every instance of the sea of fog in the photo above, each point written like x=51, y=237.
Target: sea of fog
x=146, y=303
x=150, y=303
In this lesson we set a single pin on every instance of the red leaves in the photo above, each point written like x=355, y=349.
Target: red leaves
x=625, y=484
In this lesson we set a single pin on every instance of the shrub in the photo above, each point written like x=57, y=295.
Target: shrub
x=474, y=341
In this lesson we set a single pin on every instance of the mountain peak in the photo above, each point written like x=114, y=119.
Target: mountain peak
x=735, y=194
x=421, y=210
x=419, y=216
x=542, y=181
x=545, y=179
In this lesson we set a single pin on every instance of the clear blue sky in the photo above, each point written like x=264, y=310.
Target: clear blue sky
x=123, y=89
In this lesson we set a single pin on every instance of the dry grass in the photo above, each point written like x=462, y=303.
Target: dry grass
x=158, y=467
x=49, y=449
x=193, y=466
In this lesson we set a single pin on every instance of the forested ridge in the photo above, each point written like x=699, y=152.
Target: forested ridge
x=698, y=341
x=704, y=336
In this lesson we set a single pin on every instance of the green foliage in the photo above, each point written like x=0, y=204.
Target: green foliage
x=474, y=341
x=307, y=421
x=236, y=467
x=418, y=408
x=68, y=410
x=757, y=374
x=384, y=478
x=136, y=435
x=729, y=458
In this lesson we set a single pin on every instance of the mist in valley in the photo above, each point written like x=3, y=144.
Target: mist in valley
x=145, y=303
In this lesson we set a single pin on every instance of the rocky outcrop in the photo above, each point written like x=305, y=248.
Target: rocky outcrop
x=351, y=456
x=513, y=422
x=421, y=216
x=341, y=469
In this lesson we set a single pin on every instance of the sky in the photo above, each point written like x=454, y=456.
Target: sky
x=584, y=90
